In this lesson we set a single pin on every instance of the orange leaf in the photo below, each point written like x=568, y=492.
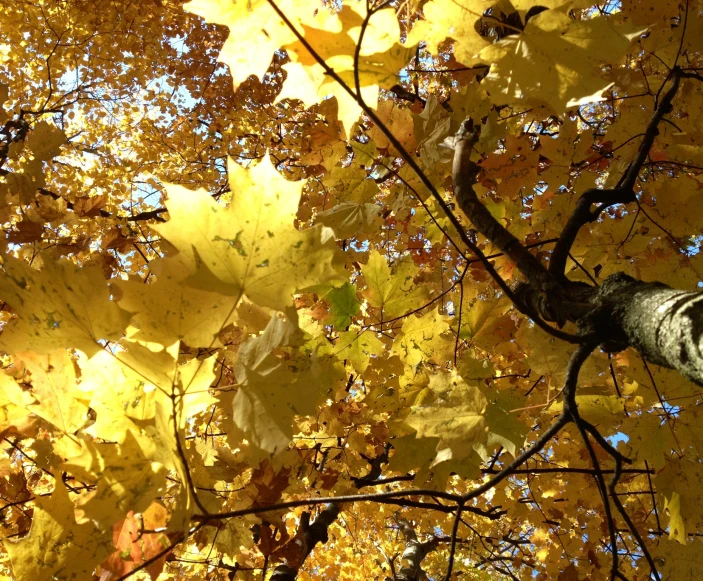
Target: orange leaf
x=135, y=545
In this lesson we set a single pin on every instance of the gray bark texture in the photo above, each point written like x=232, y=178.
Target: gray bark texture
x=414, y=553
x=665, y=325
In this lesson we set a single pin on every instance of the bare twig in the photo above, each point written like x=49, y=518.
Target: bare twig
x=412, y=163
x=569, y=412
x=622, y=194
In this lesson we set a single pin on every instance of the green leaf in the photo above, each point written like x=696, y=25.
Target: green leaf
x=343, y=305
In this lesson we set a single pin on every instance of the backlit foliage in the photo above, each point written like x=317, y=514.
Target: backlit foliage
x=231, y=293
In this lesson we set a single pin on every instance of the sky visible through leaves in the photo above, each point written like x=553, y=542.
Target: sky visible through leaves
x=248, y=330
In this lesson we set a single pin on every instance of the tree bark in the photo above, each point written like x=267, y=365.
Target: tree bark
x=414, y=553
x=307, y=537
x=664, y=324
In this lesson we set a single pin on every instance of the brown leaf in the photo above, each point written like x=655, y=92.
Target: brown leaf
x=268, y=483
x=115, y=240
x=25, y=232
x=89, y=206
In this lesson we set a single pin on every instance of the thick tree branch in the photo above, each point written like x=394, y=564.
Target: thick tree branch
x=542, y=295
x=665, y=325
x=464, y=174
x=412, y=163
x=414, y=553
x=305, y=539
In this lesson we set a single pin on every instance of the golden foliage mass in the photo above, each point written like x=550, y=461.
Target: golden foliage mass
x=232, y=292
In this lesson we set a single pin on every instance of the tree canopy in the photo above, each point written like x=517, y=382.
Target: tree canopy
x=351, y=289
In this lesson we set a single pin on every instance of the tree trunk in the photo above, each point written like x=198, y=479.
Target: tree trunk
x=307, y=537
x=414, y=553
x=665, y=325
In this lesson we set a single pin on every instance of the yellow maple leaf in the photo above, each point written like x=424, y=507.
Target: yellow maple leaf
x=677, y=560
x=377, y=70
x=255, y=23
x=168, y=310
x=359, y=348
x=348, y=219
x=14, y=410
x=193, y=389
x=119, y=395
x=411, y=453
x=677, y=489
x=600, y=410
x=456, y=416
x=251, y=247
x=392, y=290
x=502, y=426
x=273, y=390
x=59, y=402
x=380, y=58
x=61, y=305
x=454, y=19
x=554, y=60
x=126, y=480
x=422, y=339
x=56, y=547
x=146, y=395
